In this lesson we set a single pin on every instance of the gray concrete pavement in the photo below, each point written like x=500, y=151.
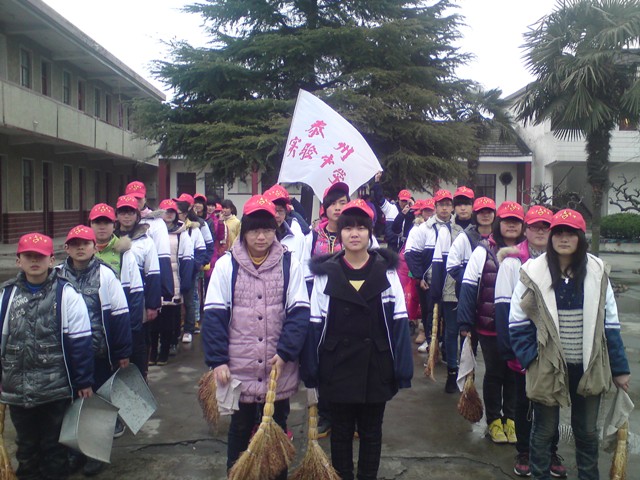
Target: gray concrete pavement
x=424, y=437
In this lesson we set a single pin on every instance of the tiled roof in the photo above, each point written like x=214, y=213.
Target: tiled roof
x=498, y=148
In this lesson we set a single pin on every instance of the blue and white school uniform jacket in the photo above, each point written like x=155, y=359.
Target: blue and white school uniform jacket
x=199, y=246
x=158, y=234
x=208, y=240
x=144, y=251
x=394, y=313
x=133, y=287
x=420, y=247
x=294, y=241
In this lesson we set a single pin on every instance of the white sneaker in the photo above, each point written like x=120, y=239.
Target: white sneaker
x=187, y=338
x=424, y=348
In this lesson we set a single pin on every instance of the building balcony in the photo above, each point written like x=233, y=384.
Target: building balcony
x=29, y=117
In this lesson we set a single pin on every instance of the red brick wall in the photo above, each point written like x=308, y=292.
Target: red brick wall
x=14, y=225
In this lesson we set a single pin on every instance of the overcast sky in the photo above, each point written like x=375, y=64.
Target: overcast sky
x=133, y=30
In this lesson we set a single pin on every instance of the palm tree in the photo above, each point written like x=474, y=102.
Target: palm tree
x=585, y=58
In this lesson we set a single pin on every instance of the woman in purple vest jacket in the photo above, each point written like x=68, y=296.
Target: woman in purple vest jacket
x=256, y=317
x=476, y=308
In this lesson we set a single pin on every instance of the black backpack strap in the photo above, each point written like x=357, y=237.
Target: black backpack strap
x=286, y=270
x=314, y=239
x=5, y=301
x=59, y=289
x=234, y=276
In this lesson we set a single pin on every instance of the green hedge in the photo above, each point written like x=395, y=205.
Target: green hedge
x=621, y=226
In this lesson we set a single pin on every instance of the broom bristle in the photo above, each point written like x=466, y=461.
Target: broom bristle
x=315, y=465
x=207, y=398
x=470, y=404
x=619, y=464
x=6, y=470
x=270, y=451
x=430, y=367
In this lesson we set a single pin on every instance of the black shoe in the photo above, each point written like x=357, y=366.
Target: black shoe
x=452, y=378
x=92, y=467
x=324, y=427
x=119, y=430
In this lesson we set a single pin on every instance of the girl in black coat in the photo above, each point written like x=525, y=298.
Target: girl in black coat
x=358, y=353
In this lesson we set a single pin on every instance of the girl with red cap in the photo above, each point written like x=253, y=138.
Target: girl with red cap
x=358, y=352
x=256, y=317
x=476, y=310
x=565, y=333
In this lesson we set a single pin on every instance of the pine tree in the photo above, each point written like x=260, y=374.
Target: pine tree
x=385, y=65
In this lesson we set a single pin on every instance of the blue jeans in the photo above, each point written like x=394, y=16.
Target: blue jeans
x=584, y=418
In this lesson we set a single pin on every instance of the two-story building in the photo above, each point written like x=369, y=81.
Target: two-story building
x=66, y=137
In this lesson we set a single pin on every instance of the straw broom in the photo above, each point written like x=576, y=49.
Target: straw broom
x=619, y=464
x=6, y=471
x=470, y=404
x=433, y=347
x=315, y=464
x=207, y=387
x=270, y=451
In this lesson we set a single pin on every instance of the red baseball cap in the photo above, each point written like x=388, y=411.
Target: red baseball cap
x=419, y=205
x=218, y=208
x=102, y=210
x=464, y=192
x=569, y=218
x=200, y=195
x=404, y=195
x=136, y=189
x=429, y=204
x=359, y=204
x=185, y=197
x=168, y=204
x=277, y=192
x=127, y=201
x=538, y=213
x=37, y=243
x=484, y=202
x=511, y=210
x=442, y=195
x=257, y=203
x=81, y=232
x=343, y=187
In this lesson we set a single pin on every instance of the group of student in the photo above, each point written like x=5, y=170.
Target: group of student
x=523, y=286
x=116, y=299
x=322, y=305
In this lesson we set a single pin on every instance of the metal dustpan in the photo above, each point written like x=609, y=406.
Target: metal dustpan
x=128, y=391
x=88, y=426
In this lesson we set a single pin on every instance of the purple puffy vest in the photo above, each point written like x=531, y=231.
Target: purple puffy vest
x=485, y=307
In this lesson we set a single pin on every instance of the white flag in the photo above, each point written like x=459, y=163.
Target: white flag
x=323, y=148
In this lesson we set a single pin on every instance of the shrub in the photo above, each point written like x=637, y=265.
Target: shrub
x=621, y=226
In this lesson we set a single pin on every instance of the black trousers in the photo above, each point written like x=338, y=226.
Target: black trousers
x=162, y=330
x=39, y=454
x=245, y=420
x=368, y=417
x=499, y=384
x=426, y=307
x=139, y=355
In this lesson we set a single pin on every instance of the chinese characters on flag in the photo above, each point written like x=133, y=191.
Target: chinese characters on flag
x=323, y=148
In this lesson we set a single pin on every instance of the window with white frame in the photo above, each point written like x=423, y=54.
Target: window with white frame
x=97, y=102
x=68, y=187
x=485, y=185
x=27, y=184
x=25, y=68
x=45, y=76
x=66, y=87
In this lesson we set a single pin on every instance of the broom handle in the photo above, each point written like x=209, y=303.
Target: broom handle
x=313, y=423
x=271, y=395
x=3, y=407
x=435, y=320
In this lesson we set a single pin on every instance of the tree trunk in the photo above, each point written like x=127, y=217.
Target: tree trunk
x=598, y=145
